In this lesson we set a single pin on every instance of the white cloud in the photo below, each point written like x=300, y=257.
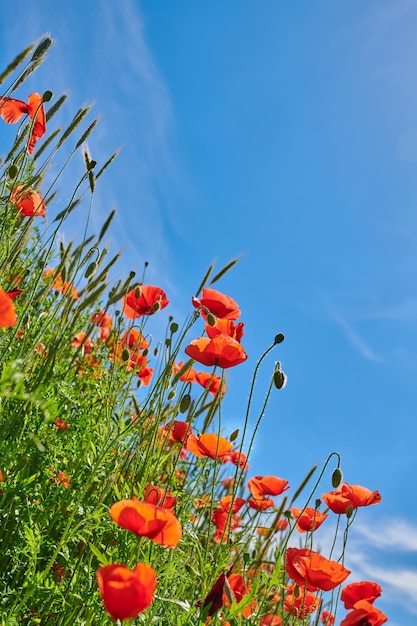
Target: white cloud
x=363, y=348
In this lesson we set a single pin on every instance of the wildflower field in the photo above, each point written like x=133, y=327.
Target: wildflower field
x=139, y=507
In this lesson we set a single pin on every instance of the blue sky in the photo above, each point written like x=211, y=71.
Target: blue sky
x=284, y=133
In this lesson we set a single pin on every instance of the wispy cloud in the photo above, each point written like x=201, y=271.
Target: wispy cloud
x=355, y=339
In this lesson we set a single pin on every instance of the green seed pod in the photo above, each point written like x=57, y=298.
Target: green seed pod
x=167, y=342
x=185, y=403
x=171, y=394
x=349, y=511
x=337, y=477
x=47, y=96
x=174, y=327
x=246, y=558
x=279, y=338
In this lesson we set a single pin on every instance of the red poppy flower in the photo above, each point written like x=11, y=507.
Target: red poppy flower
x=364, y=614
x=261, y=486
x=225, y=524
x=225, y=327
x=147, y=520
x=160, y=497
x=271, y=620
x=126, y=593
x=222, y=351
x=210, y=382
x=7, y=311
x=28, y=201
x=301, y=605
x=313, y=571
x=104, y=322
x=364, y=590
x=349, y=497
x=144, y=300
x=210, y=445
x=282, y=524
x=218, y=304
x=11, y=111
x=327, y=618
x=239, y=458
x=60, y=424
x=175, y=431
x=61, y=286
x=308, y=520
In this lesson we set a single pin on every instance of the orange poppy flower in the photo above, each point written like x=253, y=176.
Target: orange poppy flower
x=80, y=340
x=228, y=501
x=282, y=524
x=225, y=327
x=239, y=458
x=302, y=604
x=364, y=613
x=210, y=382
x=147, y=520
x=126, y=593
x=11, y=110
x=222, y=351
x=61, y=478
x=218, y=304
x=60, y=424
x=363, y=590
x=210, y=445
x=308, y=520
x=144, y=300
x=175, y=431
x=188, y=376
x=160, y=497
x=313, y=571
x=7, y=311
x=28, y=201
x=261, y=486
x=261, y=505
x=61, y=286
x=349, y=497
x=145, y=375
x=104, y=322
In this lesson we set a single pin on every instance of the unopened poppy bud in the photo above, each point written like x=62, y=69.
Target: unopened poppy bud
x=280, y=379
x=211, y=320
x=337, y=477
x=155, y=351
x=279, y=338
x=185, y=403
x=167, y=342
x=137, y=292
x=317, y=503
x=296, y=591
x=145, y=352
x=156, y=306
x=125, y=355
x=91, y=269
x=174, y=327
x=171, y=394
x=234, y=435
x=349, y=511
x=13, y=171
x=246, y=557
x=47, y=96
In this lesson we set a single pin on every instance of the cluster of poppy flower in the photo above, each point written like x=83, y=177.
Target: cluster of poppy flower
x=127, y=592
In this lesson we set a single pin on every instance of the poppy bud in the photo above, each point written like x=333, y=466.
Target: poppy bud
x=349, y=511
x=156, y=306
x=246, y=558
x=13, y=171
x=47, y=96
x=280, y=379
x=174, y=327
x=91, y=269
x=167, y=342
x=125, y=355
x=234, y=435
x=337, y=477
x=296, y=591
x=279, y=338
x=185, y=403
x=137, y=292
x=211, y=320
x=171, y=394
